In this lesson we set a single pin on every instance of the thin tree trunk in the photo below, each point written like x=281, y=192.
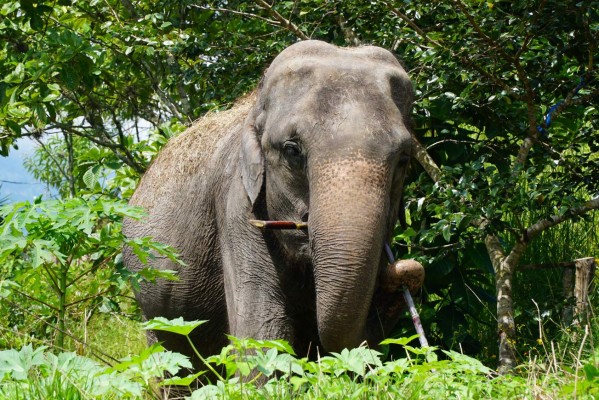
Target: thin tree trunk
x=504, y=267
x=506, y=327
x=62, y=305
x=68, y=139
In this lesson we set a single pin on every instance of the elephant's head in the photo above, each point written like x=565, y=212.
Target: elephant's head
x=328, y=142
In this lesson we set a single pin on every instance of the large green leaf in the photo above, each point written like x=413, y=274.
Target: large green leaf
x=177, y=325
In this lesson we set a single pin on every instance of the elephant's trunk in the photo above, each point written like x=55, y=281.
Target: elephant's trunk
x=349, y=204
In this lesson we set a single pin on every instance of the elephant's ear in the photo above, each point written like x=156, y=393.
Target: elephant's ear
x=252, y=162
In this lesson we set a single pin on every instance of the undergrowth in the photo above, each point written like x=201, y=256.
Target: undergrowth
x=266, y=369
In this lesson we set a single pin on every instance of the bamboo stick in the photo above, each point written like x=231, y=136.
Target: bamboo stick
x=278, y=224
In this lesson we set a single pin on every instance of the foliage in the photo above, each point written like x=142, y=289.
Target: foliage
x=486, y=76
x=82, y=167
x=269, y=368
x=488, y=71
x=38, y=373
x=107, y=71
x=360, y=372
x=61, y=261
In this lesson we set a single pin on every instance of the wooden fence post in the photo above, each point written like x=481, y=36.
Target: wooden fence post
x=585, y=271
x=577, y=282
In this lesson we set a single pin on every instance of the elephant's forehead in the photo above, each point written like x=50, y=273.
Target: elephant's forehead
x=327, y=86
x=317, y=51
x=325, y=71
x=327, y=81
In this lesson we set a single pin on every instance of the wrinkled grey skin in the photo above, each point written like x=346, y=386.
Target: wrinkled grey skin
x=325, y=141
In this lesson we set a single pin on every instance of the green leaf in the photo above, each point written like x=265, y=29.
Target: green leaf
x=439, y=269
x=151, y=274
x=89, y=178
x=591, y=372
x=19, y=363
x=207, y=392
x=43, y=252
x=137, y=359
x=249, y=343
x=468, y=364
x=5, y=287
x=17, y=75
x=446, y=231
x=177, y=325
x=182, y=381
x=400, y=341
x=51, y=97
x=18, y=110
x=9, y=7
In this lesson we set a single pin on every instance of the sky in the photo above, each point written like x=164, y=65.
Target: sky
x=12, y=170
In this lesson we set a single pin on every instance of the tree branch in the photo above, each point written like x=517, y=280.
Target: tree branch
x=68, y=139
x=413, y=25
x=530, y=34
x=54, y=160
x=535, y=229
x=90, y=297
x=285, y=23
x=427, y=249
x=467, y=61
x=495, y=46
x=429, y=165
x=495, y=250
x=533, y=135
x=241, y=13
x=35, y=299
x=93, y=268
x=137, y=164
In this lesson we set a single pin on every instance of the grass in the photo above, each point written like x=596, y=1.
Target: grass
x=116, y=336
x=538, y=294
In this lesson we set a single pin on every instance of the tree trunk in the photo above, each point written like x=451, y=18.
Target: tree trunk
x=62, y=306
x=505, y=267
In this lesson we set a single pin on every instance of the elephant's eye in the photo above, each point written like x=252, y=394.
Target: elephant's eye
x=404, y=160
x=292, y=149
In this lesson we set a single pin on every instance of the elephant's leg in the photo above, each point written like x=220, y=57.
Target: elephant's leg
x=255, y=300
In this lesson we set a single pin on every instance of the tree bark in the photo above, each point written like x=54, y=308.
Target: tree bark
x=506, y=326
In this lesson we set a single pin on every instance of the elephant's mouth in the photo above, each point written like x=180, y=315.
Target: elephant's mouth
x=292, y=237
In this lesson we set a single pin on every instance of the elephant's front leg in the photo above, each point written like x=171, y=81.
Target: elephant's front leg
x=255, y=300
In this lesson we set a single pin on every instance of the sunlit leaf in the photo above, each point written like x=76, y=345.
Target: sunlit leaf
x=177, y=325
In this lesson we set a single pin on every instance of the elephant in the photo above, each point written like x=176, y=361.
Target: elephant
x=324, y=139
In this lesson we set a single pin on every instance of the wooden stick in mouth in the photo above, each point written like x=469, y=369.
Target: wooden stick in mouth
x=278, y=224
